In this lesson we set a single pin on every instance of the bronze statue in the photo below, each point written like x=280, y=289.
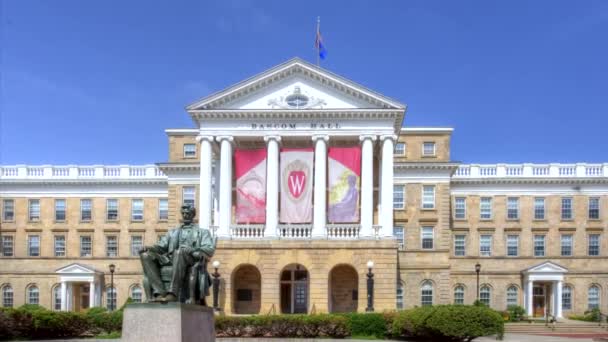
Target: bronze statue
x=175, y=268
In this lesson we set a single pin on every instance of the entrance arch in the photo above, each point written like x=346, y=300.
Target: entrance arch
x=295, y=282
x=343, y=289
x=246, y=293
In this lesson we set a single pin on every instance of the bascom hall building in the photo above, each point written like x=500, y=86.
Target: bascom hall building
x=305, y=176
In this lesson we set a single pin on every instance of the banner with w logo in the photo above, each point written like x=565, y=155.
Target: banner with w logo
x=250, y=172
x=296, y=185
x=343, y=183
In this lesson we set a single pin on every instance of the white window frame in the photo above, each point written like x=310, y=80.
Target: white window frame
x=59, y=210
x=84, y=244
x=398, y=189
x=33, y=209
x=112, y=250
x=594, y=204
x=512, y=296
x=540, y=238
x=112, y=204
x=8, y=244
x=459, y=294
x=566, y=208
x=191, y=191
x=598, y=245
x=460, y=242
x=59, y=248
x=538, y=208
x=400, y=242
x=570, y=246
x=424, y=235
x=483, y=291
x=56, y=293
x=8, y=296
x=403, y=151
x=134, y=249
x=460, y=204
x=140, y=294
x=516, y=239
x=137, y=209
x=83, y=209
x=485, y=204
x=400, y=296
x=428, y=199
x=33, y=295
x=567, y=297
x=31, y=247
x=427, y=286
x=6, y=211
x=424, y=150
x=189, y=153
x=163, y=210
x=512, y=208
x=482, y=252
x=111, y=297
x=596, y=297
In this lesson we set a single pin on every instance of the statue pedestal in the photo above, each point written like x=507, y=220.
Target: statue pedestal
x=155, y=322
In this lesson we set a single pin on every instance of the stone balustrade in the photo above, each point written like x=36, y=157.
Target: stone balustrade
x=247, y=231
x=577, y=170
x=16, y=172
x=295, y=231
x=343, y=231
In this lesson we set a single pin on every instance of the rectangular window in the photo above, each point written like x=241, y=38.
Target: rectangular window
x=34, y=209
x=427, y=237
x=59, y=245
x=566, y=208
x=189, y=150
x=137, y=243
x=33, y=245
x=399, y=234
x=512, y=245
x=86, y=246
x=163, y=209
x=7, y=245
x=566, y=245
x=8, y=210
x=539, y=245
x=513, y=208
x=86, y=210
x=111, y=246
x=59, y=210
x=566, y=298
x=188, y=193
x=137, y=210
x=398, y=196
x=594, y=208
x=460, y=208
x=485, y=208
x=400, y=149
x=594, y=244
x=428, y=197
x=539, y=208
x=111, y=209
x=485, y=245
x=459, y=245
x=428, y=148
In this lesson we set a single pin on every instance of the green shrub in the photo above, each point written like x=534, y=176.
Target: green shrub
x=589, y=316
x=319, y=325
x=367, y=325
x=102, y=320
x=412, y=322
x=516, y=313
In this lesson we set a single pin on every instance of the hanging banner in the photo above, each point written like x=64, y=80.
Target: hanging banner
x=296, y=185
x=344, y=164
x=250, y=173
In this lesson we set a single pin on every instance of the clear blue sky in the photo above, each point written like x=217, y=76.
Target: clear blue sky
x=98, y=81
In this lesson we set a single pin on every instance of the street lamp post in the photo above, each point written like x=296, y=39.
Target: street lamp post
x=477, y=270
x=370, y=287
x=216, y=286
x=112, y=292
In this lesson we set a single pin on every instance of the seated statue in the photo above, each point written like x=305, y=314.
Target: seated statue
x=175, y=268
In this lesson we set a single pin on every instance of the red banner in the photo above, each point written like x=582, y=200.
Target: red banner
x=250, y=172
x=344, y=164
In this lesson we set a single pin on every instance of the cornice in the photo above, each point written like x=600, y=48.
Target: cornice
x=426, y=166
x=530, y=180
x=98, y=181
x=178, y=167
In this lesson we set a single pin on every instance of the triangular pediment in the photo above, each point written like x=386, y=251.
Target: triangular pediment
x=546, y=267
x=295, y=85
x=77, y=269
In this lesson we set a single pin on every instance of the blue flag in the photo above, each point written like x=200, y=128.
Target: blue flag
x=319, y=45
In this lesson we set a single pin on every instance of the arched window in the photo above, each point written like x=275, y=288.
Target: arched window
x=33, y=295
x=426, y=293
x=7, y=296
x=593, y=297
x=400, y=292
x=512, y=299
x=459, y=294
x=57, y=298
x=485, y=294
x=111, y=298
x=136, y=294
x=567, y=298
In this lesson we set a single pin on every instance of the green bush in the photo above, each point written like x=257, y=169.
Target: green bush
x=320, y=325
x=448, y=322
x=367, y=325
x=589, y=316
x=102, y=320
x=516, y=313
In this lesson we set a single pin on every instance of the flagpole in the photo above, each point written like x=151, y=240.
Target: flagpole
x=317, y=37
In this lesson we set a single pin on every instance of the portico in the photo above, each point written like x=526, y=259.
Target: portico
x=81, y=287
x=297, y=105
x=543, y=290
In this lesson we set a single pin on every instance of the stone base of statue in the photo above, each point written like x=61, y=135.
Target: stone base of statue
x=155, y=322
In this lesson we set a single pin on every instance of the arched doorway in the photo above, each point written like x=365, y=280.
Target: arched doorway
x=343, y=289
x=294, y=289
x=246, y=293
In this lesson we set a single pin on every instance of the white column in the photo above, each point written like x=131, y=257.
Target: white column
x=204, y=207
x=225, y=185
x=386, y=215
x=64, y=296
x=558, y=294
x=529, y=296
x=367, y=185
x=272, y=186
x=320, y=200
x=91, y=294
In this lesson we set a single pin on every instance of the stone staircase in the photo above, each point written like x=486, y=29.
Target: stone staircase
x=566, y=328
